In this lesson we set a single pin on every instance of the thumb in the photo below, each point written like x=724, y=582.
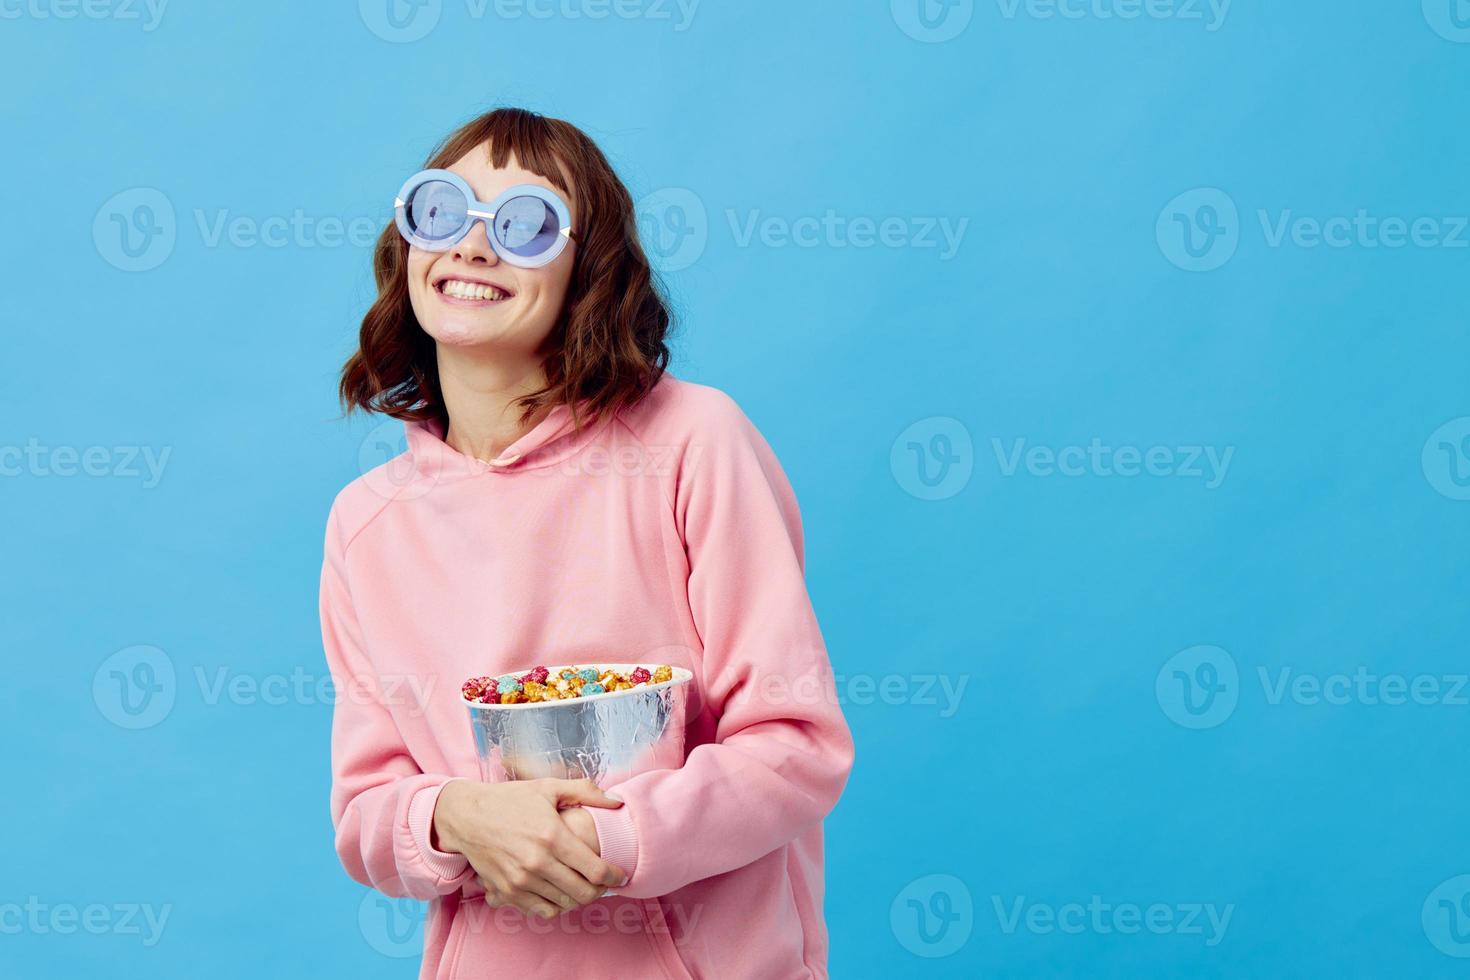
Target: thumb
x=584, y=792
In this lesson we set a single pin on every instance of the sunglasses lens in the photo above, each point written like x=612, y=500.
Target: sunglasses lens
x=436, y=210
x=526, y=226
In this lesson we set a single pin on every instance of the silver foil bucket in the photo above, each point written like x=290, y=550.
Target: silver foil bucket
x=603, y=737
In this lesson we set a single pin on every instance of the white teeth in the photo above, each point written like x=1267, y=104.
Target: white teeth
x=460, y=289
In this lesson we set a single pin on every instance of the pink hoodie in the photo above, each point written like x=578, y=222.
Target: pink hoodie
x=666, y=535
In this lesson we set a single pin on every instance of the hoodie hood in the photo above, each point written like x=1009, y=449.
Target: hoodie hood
x=551, y=440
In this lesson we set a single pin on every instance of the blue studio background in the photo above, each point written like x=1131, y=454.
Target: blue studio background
x=1116, y=351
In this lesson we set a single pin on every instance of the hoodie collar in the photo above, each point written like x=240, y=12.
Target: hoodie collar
x=552, y=439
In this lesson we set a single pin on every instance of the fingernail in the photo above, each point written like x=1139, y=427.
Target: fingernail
x=613, y=796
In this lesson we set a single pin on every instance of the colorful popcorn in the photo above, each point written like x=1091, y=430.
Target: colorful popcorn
x=481, y=689
x=539, y=685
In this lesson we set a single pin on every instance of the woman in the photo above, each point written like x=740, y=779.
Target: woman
x=563, y=499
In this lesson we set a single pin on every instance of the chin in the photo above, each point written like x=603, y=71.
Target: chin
x=470, y=336
x=458, y=334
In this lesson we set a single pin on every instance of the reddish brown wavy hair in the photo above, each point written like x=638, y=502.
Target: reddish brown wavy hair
x=608, y=348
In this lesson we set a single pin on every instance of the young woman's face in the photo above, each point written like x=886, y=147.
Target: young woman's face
x=517, y=319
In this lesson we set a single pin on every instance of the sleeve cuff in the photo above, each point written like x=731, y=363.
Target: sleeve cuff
x=617, y=838
x=420, y=820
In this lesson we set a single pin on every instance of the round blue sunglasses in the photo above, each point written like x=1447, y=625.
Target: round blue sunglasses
x=527, y=225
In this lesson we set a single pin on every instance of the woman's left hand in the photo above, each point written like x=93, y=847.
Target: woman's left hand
x=579, y=822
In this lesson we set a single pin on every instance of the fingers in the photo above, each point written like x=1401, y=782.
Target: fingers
x=534, y=895
x=531, y=903
x=544, y=888
x=573, y=852
x=572, y=888
x=585, y=792
x=492, y=895
x=569, y=884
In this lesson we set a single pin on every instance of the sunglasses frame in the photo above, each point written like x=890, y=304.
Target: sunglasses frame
x=482, y=211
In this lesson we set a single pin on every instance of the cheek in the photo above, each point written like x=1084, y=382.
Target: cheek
x=418, y=290
x=557, y=282
x=418, y=268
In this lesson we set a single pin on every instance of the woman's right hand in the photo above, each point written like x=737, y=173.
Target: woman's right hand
x=514, y=837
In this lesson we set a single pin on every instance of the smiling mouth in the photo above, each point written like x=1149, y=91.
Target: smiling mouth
x=467, y=291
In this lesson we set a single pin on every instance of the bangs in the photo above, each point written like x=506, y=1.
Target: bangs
x=528, y=136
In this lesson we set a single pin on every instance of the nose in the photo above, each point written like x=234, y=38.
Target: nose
x=475, y=249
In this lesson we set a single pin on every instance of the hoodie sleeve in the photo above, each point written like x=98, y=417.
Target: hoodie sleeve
x=382, y=803
x=781, y=751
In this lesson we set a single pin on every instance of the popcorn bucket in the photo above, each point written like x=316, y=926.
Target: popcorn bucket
x=603, y=737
